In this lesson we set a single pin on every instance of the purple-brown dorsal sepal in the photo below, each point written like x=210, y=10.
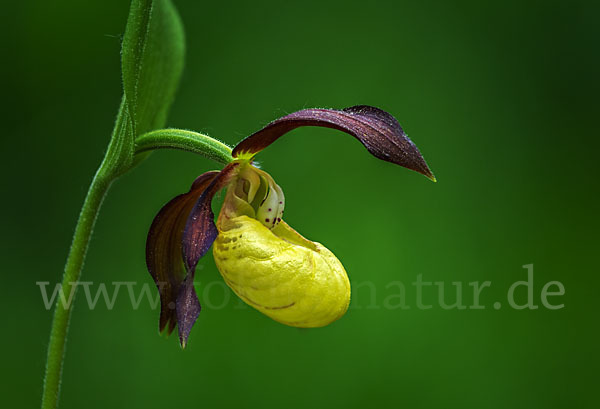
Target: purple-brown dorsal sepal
x=376, y=129
x=163, y=248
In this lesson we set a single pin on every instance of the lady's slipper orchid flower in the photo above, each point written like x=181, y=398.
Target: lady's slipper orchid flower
x=268, y=264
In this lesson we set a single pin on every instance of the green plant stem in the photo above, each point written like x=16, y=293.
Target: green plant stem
x=184, y=140
x=60, y=323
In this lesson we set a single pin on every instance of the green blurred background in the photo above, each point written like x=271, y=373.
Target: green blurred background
x=502, y=100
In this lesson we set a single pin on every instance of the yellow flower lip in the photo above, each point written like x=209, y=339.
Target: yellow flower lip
x=280, y=273
x=268, y=264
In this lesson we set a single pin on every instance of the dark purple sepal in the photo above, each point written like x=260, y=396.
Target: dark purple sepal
x=163, y=249
x=377, y=130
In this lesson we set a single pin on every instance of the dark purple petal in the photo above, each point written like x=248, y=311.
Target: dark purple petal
x=377, y=130
x=199, y=234
x=188, y=309
x=200, y=230
x=163, y=248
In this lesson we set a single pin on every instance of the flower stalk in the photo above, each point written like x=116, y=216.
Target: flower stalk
x=185, y=140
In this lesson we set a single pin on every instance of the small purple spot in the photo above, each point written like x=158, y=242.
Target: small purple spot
x=267, y=220
x=270, y=209
x=279, y=219
x=280, y=202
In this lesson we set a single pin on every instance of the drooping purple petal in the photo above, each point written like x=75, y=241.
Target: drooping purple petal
x=377, y=130
x=200, y=229
x=188, y=309
x=199, y=234
x=163, y=248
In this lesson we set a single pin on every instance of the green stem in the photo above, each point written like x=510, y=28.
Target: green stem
x=62, y=313
x=184, y=140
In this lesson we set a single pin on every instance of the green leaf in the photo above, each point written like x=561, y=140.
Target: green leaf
x=153, y=53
